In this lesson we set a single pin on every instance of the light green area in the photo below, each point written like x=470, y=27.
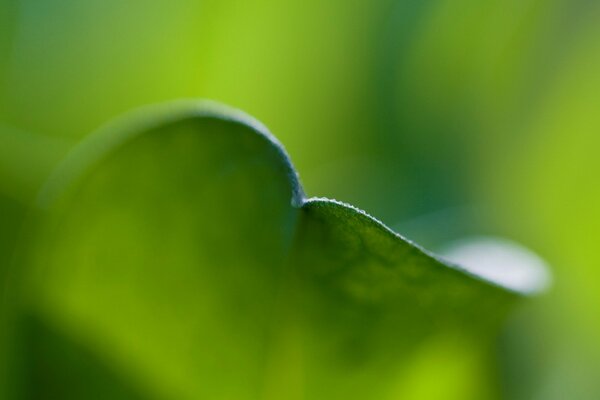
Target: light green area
x=551, y=187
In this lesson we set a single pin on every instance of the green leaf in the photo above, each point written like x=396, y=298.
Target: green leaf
x=177, y=249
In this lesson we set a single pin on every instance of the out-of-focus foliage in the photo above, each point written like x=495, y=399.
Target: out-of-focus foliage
x=177, y=258
x=25, y=161
x=449, y=117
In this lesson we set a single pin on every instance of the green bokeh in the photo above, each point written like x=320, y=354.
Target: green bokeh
x=443, y=118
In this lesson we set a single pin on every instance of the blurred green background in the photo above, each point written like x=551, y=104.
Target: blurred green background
x=442, y=118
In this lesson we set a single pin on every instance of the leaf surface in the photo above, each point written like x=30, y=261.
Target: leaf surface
x=177, y=248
